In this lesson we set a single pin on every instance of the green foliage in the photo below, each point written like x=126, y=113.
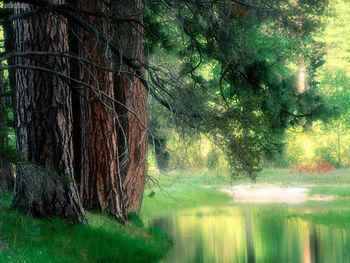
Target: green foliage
x=231, y=74
x=329, y=139
x=24, y=239
x=337, y=37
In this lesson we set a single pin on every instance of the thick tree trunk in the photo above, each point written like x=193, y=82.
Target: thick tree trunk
x=44, y=115
x=132, y=115
x=101, y=184
x=7, y=181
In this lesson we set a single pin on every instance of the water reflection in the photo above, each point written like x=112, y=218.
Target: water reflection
x=249, y=235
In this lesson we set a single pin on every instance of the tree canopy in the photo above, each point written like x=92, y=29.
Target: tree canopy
x=234, y=65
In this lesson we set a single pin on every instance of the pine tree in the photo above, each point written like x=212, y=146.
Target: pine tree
x=45, y=183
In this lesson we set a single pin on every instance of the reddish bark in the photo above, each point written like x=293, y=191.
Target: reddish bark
x=132, y=110
x=101, y=184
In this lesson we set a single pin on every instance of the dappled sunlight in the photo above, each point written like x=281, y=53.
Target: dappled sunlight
x=309, y=151
x=300, y=146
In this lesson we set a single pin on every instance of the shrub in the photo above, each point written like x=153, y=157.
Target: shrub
x=318, y=166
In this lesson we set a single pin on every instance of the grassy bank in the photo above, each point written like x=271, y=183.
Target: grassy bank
x=339, y=177
x=24, y=239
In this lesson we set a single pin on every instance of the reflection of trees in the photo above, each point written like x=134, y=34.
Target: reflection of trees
x=246, y=235
x=164, y=223
x=199, y=247
x=249, y=238
x=313, y=241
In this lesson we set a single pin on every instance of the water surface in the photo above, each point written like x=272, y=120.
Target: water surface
x=250, y=234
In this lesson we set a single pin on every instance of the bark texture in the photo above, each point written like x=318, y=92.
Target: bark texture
x=43, y=109
x=132, y=110
x=43, y=193
x=101, y=183
x=7, y=181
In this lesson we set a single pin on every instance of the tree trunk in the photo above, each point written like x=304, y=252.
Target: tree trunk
x=132, y=95
x=6, y=178
x=251, y=257
x=44, y=115
x=161, y=153
x=7, y=181
x=302, y=82
x=338, y=145
x=101, y=184
x=44, y=193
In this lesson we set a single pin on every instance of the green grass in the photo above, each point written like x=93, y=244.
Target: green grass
x=284, y=176
x=338, y=191
x=181, y=190
x=25, y=239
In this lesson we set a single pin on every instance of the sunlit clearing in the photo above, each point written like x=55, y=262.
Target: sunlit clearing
x=309, y=150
